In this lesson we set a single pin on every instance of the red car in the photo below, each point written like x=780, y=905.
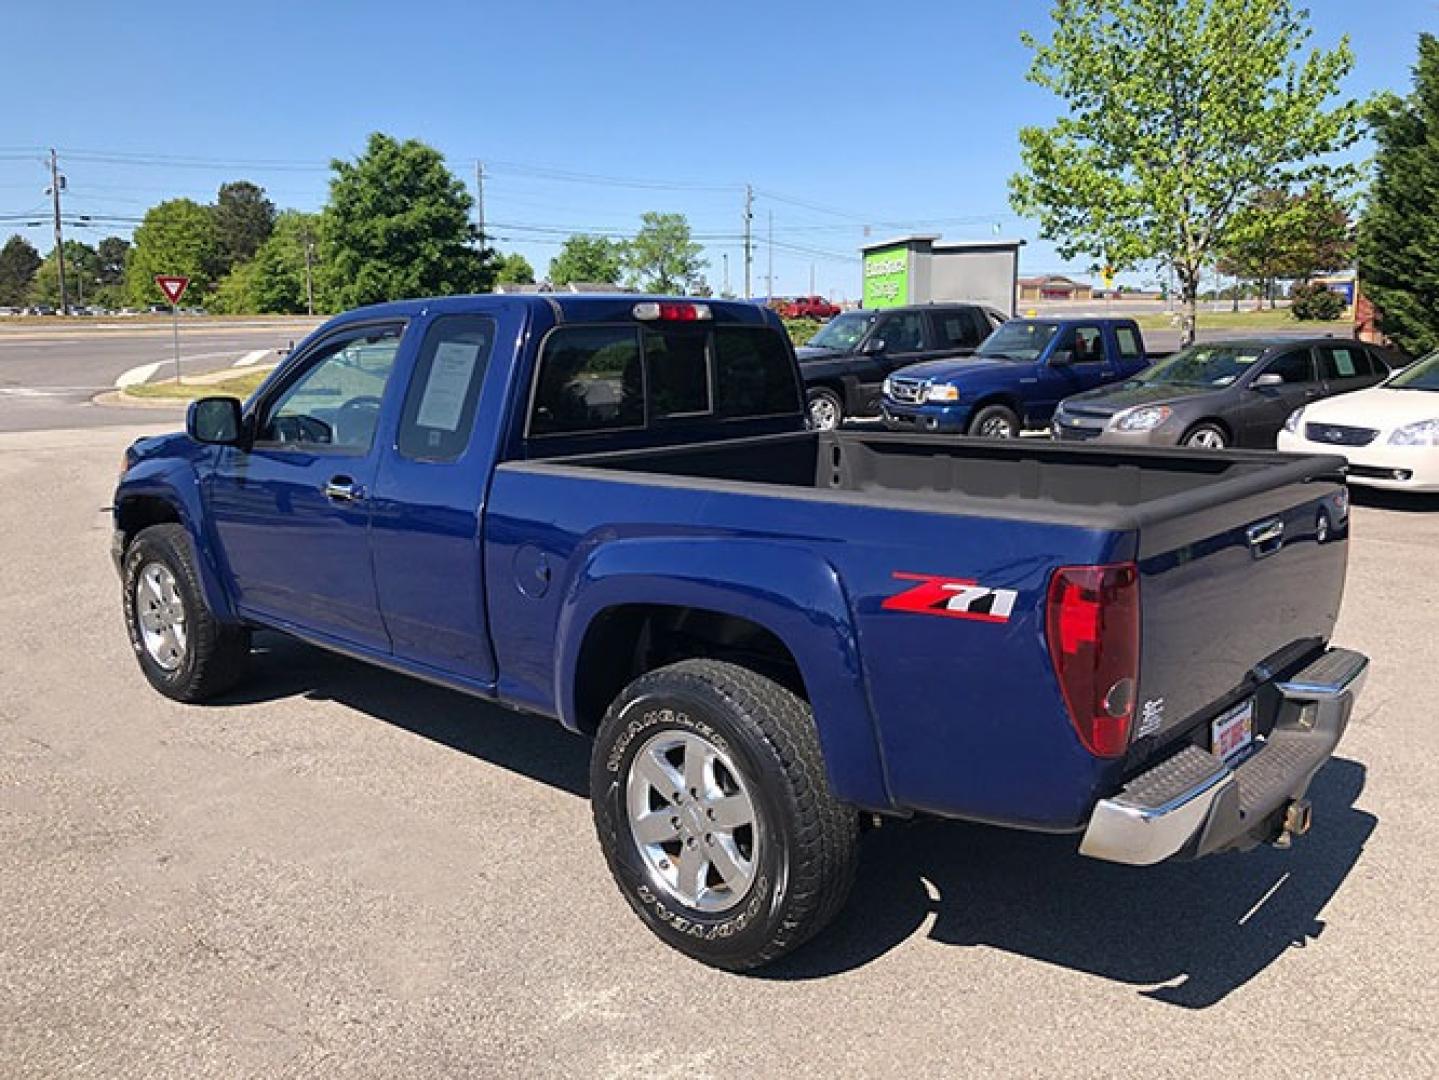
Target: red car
x=807, y=307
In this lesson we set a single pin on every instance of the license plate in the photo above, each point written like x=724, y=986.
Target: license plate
x=1232, y=733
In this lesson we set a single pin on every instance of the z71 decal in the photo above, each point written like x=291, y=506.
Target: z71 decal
x=958, y=598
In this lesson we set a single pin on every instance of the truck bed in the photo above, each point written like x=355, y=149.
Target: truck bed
x=1096, y=486
x=871, y=511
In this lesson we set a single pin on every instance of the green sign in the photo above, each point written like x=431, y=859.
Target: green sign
x=886, y=277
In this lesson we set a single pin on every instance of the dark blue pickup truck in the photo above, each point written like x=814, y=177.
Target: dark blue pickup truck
x=608, y=510
x=1016, y=377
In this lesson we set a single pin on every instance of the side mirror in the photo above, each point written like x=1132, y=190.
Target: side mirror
x=1269, y=378
x=1060, y=357
x=215, y=420
x=873, y=347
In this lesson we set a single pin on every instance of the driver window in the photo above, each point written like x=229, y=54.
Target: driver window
x=902, y=333
x=1088, y=345
x=1292, y=367
x=336, y=402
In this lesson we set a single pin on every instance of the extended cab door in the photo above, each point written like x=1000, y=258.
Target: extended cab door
x=292, y=511
x=428, y=508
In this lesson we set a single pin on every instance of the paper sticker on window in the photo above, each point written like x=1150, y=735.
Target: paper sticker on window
x=450, y=375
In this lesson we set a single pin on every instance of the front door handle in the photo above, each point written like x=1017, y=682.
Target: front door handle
x=343, y=489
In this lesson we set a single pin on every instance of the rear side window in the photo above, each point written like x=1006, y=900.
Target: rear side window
x=1128, y=339
x=962, y=328
x=440, y=403
x=902, y=333
x=1292, y=367
x=590, y=380
x=1342, y=363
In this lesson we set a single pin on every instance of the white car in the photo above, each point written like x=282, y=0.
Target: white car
x=1389, y=433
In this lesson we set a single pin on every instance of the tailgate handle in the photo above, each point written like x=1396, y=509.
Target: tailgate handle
x=1265, y=538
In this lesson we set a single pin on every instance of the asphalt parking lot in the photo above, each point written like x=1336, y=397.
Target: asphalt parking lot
x=341, y=872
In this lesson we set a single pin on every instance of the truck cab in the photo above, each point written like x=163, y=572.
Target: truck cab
x=1015, y=379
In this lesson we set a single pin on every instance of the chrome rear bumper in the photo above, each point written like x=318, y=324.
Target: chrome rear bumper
x=1194, y=804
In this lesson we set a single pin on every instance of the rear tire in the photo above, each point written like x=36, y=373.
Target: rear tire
x=826, y=410
x=1206, y=436
x=713, y=809
x=995, y=422
x=185, y=652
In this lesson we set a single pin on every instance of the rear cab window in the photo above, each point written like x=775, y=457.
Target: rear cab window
x=440, y=402
x=1344, y=363
x=593, y=379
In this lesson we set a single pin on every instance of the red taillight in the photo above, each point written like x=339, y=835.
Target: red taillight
x=1092, y=623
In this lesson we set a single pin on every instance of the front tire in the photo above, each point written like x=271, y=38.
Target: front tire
x=1206, y=436
x=713, y=809
x=185, y=652
x=995, y=422
x=826, y=410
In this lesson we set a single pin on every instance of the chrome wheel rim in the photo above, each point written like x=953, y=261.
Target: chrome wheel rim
x=693, y=821
x=161, y=614
x=1207, y=439
x=824, y=413
x=996, y=427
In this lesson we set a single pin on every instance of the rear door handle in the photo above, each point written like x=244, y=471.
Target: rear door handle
x=343, y=489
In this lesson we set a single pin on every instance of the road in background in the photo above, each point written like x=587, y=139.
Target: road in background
x=337, y=871
x=49, y=375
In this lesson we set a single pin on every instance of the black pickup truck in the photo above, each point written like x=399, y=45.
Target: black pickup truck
x=844, y=365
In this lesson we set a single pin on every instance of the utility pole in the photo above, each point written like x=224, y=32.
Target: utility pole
x=769, y=286
x=725, y=256
x=480, y=201
x=309, y=273
x=56, y=182
x=811, y=279
x=748, y=248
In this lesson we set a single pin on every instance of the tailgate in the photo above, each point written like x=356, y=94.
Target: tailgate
x=1237, y=591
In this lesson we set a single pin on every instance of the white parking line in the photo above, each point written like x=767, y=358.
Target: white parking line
x=137, y=375
x=252, y=358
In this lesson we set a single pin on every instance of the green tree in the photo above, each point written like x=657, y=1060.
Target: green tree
x=1176, y=113
x=175, y=237
x=514, y=269
x=1399, y=232
x=588, y=258
x=19, y=262
x=244, y=218
x=397, y=225
x=82, y=276
x=662, y=258
x=274, y=281
x=112, y=253
x=1281, y=235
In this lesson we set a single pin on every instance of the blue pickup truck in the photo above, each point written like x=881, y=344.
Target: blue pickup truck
x=609, y=510
x=1015, y=379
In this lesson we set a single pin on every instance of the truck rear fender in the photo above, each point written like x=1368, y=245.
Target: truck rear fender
x=158, y=491
x=783, y=591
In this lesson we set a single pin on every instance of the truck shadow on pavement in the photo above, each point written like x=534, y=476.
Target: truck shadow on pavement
x=1189, y=933
x=531, y=746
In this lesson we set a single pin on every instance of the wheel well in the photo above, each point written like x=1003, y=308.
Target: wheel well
x=142, y=511
x=834, y=388
x=623, y=643
x=1212, y=421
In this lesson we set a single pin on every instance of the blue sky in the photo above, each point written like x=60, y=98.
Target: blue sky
x=585, y=114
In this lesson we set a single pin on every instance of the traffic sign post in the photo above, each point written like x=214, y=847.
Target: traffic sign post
x=174, y=286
